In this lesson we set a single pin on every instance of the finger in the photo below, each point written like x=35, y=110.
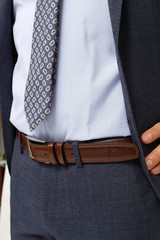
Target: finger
x=156, y=170
x=151, y=134
x=153, y=158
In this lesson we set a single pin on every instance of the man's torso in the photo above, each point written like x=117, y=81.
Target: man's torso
x=88, y=101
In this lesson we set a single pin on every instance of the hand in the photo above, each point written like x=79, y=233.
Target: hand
x=152, y=159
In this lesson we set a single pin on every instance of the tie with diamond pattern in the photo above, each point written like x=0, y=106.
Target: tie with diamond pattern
x=43, y=65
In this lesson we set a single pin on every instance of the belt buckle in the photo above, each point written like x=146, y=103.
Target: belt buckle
x=29, y=147
x=33, y=139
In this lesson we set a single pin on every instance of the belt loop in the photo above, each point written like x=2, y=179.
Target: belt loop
x=20, y=142
x=60, y=155
x=77, y=154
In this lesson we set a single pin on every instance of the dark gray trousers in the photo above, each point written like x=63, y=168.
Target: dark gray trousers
x=112, y=201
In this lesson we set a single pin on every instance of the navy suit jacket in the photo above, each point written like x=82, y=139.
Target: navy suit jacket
x=136, y=30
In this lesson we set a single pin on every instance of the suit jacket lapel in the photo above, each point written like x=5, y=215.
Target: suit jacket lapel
x=115, y=7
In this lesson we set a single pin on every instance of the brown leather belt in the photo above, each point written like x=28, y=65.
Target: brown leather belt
x=100, y=151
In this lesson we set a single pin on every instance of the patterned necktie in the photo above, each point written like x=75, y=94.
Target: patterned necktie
x=43, y=65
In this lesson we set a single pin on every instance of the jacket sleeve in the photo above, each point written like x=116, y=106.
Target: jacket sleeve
x=6, y=47
x=7, y=60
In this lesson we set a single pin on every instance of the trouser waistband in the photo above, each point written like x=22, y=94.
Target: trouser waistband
x=95, y=151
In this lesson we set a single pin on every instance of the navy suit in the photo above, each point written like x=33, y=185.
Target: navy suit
x=136, y=29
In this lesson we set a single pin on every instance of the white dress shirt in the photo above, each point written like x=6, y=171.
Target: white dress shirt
x=88, y=101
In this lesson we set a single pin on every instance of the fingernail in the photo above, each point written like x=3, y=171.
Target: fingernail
x=147, y=137
x=149, y=163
